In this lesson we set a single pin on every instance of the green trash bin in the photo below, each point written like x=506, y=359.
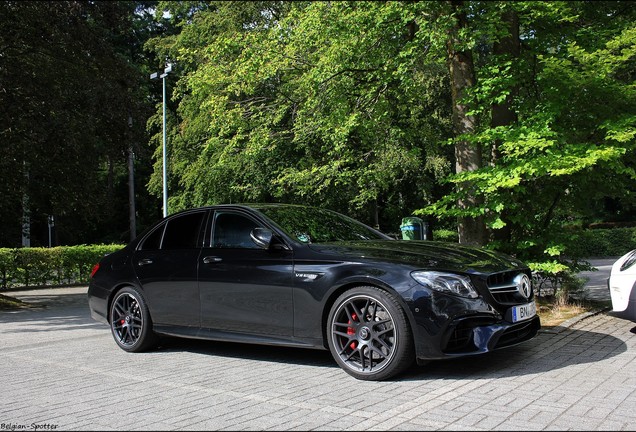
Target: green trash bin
x=412, y=228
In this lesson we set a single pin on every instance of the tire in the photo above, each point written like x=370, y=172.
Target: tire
x=368, y=334
x=130, y=322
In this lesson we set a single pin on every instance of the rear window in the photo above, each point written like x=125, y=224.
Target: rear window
x=182, y=232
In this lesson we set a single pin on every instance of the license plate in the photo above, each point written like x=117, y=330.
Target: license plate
x=524, y=312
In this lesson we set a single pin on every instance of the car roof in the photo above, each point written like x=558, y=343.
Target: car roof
x=253, y=206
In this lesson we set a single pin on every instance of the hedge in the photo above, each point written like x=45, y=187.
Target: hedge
x=581, y=243
x=599, y=243
x=62, y=265
x=71, y=265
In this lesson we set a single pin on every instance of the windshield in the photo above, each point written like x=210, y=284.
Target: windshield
x=315, y=225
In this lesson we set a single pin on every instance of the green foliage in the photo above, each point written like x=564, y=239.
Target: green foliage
x=30, y=267
x=572, y=144
x=70, y=77
x=341, y=104
x=556, y=276
x=549, y=267
x=317, y=102
x=6, y=266
x=348, y=105
x=445, y=235
x=600, y=242
x=557, y=281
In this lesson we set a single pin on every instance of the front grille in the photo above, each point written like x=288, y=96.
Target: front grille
x=462, y=337
x=461, y=340
x=504, y=290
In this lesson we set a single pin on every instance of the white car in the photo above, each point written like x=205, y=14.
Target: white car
x=622, y=283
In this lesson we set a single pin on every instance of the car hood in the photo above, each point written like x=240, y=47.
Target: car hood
x=426, y=255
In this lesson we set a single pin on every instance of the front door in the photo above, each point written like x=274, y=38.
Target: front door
x=244, y=288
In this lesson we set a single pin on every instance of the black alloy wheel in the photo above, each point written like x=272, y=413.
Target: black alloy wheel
x=368, y=334
x=130, y=321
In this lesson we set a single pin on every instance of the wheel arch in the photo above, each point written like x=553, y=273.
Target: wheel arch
x=337, y=291
x=116, y=289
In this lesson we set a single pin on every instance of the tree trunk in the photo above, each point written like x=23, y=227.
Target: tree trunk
x=508, y=47
x=471, y=230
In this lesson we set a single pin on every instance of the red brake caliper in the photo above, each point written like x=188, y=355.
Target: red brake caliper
x=352, y=331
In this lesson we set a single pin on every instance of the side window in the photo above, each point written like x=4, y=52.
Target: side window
x=233, y=231
x=182, y=232
x=153, y=241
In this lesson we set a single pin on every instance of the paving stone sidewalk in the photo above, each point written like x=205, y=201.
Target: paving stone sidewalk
x=62, y=371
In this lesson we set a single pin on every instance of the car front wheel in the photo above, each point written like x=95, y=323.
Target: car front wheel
x=130, y=321
x=368, y=334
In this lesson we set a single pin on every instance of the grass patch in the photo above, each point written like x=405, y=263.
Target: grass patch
x=554, y=311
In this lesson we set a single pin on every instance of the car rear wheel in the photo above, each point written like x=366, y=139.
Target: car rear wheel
x=368, y=334
x=130, y=321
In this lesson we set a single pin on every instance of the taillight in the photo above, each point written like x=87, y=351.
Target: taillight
x=95, y=268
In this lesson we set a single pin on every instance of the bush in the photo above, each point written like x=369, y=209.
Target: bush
x=30, y=267
x=557, y=278
x=446, y=235
x=600, y=242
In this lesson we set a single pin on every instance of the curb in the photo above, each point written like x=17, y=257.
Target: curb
x=42, y=287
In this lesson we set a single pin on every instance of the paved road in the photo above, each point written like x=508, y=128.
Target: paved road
x=596, y=281
x=62, y=371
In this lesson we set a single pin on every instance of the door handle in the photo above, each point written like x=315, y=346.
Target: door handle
x=212, y=260
x=145, y=261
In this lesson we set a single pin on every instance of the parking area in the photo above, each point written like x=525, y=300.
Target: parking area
x=62, y=371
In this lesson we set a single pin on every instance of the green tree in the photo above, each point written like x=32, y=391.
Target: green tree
x=70, y=79
x=364, y=107
x=325, y=103
x=569, y=136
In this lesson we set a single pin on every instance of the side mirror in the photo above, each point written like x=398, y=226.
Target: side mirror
x=262, y=237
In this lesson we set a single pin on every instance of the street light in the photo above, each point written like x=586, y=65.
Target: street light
x=132, y=222
x=163, y=76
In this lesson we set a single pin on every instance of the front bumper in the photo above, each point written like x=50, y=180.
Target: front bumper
x=450, y=326
x=474, y=335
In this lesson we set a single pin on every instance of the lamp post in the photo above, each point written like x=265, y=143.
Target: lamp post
x=132, y=222
x=163, y=76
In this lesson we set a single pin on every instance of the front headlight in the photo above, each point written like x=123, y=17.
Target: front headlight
x=446, y=282
x=630, y=260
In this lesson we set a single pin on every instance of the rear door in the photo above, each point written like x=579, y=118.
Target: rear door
x=166, y=265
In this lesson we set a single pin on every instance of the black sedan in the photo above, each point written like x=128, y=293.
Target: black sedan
x=308, y=277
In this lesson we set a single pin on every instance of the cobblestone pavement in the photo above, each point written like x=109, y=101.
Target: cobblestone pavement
x=62, y=371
